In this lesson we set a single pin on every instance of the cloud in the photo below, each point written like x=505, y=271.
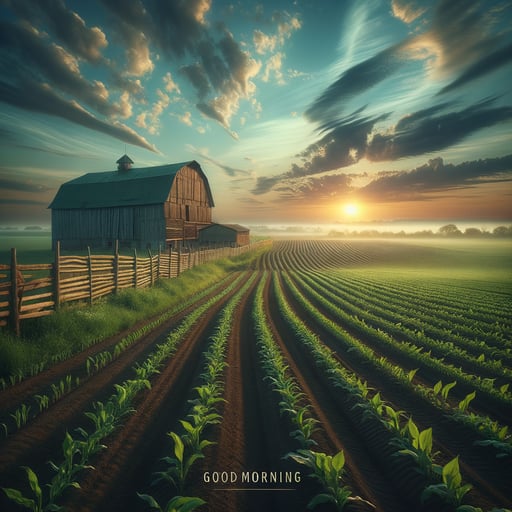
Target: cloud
x=343, y=144
x=436, y=176
x=355, y=81
x=424, y=132
x=36, y=97
x=347, y=141
x=21, y=185
x=406, y=10
x=487, y=64
x=86, y=42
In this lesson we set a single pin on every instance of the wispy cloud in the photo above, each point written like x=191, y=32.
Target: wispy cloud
x=436, y=176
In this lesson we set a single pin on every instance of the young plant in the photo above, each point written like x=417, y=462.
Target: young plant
x=329, y=471
x=451, y=490
x=176, y=504
x=179, y=465
x=421, y=449
x=35, y=505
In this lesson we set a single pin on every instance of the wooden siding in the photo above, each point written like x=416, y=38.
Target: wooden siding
x=140, y=226
x=188, y=207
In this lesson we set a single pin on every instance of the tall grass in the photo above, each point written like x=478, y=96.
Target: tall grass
x=78, y=326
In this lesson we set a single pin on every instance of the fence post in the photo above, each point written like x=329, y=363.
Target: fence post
x=15, y=299
x=89, y=264
x=135, y=268
x=170, y=261
x=151, y=270
x=178, y=271
x=116, y=267
x=56, y=275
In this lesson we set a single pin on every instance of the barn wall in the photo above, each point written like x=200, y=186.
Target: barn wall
x=222, y=234
x=139, y=226
x=188, y=206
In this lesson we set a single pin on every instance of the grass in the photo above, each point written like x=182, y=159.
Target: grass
x=77, y=326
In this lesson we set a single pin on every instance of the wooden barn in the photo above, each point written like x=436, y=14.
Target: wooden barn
x=226, y=234
x=146, y=207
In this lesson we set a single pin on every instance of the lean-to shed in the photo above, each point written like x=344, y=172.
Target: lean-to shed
x=146, y=207
x=228, y=234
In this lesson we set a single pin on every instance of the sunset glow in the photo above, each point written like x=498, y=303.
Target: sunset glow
x=351, y=209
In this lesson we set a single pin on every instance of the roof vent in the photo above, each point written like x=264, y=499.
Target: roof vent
x=124, y=163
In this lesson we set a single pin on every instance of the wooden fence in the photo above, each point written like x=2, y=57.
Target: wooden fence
x=29, y=291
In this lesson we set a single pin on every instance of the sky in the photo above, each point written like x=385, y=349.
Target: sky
x=297, y=111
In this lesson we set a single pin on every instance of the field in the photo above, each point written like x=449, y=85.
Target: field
x=381, y=367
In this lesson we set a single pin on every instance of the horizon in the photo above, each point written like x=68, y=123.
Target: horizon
x=297, y=112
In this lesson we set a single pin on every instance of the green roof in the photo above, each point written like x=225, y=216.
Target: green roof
x=136, y=186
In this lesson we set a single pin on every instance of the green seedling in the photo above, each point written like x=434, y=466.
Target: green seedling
x=176, y=504
x=421, y=448
x=329, y=471
x=451, y=490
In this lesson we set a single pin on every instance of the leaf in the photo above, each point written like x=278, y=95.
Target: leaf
x=451, y=473
x=17, y=497
x=179, y=447
x=33, y=481
x=184, y=504
x=338, y=461
x=425, y=440
x=319, y=499
x=149, y=500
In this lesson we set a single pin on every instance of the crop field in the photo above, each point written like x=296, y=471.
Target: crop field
x=351, y=375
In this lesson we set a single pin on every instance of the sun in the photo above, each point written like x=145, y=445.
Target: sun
x=351, y=209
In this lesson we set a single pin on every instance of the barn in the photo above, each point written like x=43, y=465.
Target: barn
x=145, y=207
x=226, y=234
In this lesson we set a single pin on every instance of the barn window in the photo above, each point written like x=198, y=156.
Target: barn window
x=187, y=212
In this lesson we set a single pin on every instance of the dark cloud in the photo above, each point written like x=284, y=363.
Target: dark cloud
x=265, y=184
x=423, y=132
x=436, y=176
x=355, y=81
x=482, y=67
x=36, y=97
x=230, y=171
x=21, y=185
x=67, y=25
x=343, y=145
x=347, y=141
x=324, y=187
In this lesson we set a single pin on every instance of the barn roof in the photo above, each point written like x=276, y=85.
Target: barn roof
x=137, y=186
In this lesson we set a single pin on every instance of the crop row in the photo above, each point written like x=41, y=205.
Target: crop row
x=441, y=481
x=105, y=418
x=485, y=428
x=327, y=469
x=190, y=445
x=40, y=402
x=390, y=318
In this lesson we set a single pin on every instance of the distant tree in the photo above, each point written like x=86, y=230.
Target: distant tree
x=450, y=230
x=502, y=231
x=473, y=232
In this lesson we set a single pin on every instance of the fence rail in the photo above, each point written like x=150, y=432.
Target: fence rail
x=30, y=291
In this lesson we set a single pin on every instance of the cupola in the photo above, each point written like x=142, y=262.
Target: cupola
x=124, y=163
